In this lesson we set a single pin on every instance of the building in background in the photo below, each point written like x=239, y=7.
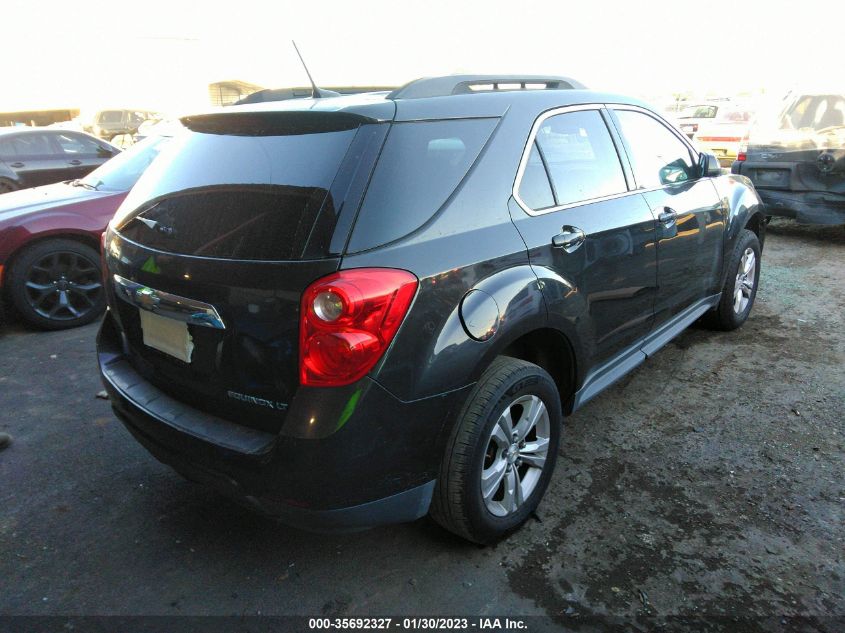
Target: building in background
x=223, y=93
x=38, y=117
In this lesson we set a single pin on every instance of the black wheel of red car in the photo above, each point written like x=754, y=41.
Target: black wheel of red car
x=57, y=284
x=7, y=185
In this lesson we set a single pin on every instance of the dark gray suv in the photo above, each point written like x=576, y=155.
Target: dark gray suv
x=358, y=310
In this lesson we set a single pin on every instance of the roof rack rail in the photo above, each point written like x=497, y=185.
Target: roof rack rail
x=469, y=84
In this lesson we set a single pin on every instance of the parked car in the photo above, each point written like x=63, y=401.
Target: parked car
x=50, y=238
x=692, y=116
x=356, y=310
x=110, y=123
x=30, y=157
x=724, y=133
x=796, y=158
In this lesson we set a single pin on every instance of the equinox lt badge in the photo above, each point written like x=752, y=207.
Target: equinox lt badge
x=261, y=402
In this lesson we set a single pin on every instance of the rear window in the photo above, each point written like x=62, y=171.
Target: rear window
x=420, y=166
x=249, y=197
x=110, y=116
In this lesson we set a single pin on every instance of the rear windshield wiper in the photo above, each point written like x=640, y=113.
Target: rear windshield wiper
x=155, y=225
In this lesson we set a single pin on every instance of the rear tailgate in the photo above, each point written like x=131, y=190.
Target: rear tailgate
x=209, y=255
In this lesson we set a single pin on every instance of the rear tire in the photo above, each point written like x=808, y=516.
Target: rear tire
x=491, y=480
x=740, y=287
x=57, y=284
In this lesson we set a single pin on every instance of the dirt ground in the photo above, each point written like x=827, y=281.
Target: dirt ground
x=706, y=488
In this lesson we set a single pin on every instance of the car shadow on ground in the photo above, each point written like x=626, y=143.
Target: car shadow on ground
x=828, y=234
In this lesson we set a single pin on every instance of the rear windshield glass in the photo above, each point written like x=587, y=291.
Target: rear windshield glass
x=236, y=197
x=420, y=166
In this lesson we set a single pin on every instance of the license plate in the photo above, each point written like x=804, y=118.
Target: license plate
x=772, y=177
x=167, y=335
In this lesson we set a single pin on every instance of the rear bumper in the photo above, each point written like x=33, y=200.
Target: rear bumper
x=809, y=207
x=804, y=206
x=377, y=468
x=400, y=507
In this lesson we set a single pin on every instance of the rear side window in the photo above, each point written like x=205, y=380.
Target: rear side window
x=579, y=156
x=26, y=146
x=535, y=188
x=658, y=156
x=251, y=197
x=420, y=166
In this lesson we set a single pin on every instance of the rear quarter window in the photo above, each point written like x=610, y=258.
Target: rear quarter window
x=421, y=165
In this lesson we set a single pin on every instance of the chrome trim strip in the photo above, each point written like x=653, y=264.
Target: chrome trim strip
x=168, y=305
x=681, y=136
x=589, y=106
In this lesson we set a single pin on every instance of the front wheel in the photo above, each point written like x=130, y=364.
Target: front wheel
x=57, y=284
x=501, y=453
x=741, y=283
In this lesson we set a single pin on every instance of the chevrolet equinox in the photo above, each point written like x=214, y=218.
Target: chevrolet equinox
x=358, y=310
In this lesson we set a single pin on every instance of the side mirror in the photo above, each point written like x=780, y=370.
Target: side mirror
x=709, y=166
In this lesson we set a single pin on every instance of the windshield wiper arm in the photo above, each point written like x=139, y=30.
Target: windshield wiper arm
x=80, y=183
x=155, y=226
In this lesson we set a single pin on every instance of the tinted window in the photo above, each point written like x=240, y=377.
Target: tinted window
x=580, y=157
x=815, y=112
x=699, y=112
x=26, y=145
x=237, y=197
x=534, y=188
x=76, y=145
x=123, y=171
x=657, y=155
x=110, y=116
x=420, y=166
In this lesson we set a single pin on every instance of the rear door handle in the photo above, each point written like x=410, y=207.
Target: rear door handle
x=569, y=238
x=75, y=161
x=17, y=165
x=667, y=216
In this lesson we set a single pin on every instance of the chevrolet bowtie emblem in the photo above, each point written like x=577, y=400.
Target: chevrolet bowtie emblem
x=147, y=298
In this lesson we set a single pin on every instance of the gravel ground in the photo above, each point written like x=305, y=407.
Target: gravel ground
x=708, y=484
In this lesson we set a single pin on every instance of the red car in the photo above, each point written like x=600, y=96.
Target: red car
x=50, y=240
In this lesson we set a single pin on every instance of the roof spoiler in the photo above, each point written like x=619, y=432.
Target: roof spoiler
x=469, y=84
x=272, y=123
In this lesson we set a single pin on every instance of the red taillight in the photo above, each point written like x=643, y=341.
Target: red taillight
x=348, y=320
x=743, y=148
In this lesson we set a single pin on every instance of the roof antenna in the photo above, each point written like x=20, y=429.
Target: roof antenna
x=316, y=93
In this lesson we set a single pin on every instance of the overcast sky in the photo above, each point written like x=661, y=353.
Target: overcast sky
x=162, y=54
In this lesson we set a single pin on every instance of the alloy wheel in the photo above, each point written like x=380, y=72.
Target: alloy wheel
x=745, y=277
x=515, y=456
x=63, y=286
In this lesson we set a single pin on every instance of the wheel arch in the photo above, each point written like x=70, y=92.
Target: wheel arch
x=77, y=236
x=756, y=223
x=550, y=349
x=743, y=210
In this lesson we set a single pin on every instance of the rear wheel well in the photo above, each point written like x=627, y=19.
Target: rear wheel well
x=757, y=225
x=549, y=349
